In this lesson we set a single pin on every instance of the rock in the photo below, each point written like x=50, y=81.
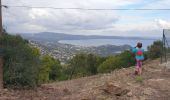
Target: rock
x=148, y=91
x=142, y=97
x=66, y=90
x=5, y=90
x=110, y=88
x=129, y=94
x=134, y=98
x=129, y=84
x=114, y=89
x=122, y=92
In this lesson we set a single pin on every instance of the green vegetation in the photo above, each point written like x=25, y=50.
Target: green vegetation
x=84, y=64
x=155, y=50
x=89, y=64
x=50, y=69
x=21, y=63
x=25, y=67
x=123, y=60
x=139, y=79
x=110, y=64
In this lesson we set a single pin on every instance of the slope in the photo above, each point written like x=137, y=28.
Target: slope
x=118, y=85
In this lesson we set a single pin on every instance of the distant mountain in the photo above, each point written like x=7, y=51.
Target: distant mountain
x=54, y=37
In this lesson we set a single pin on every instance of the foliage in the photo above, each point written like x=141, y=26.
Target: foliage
x=124, y=59
x=139, y=79
x=127, y=59
x=154, y=51
x=84, y=64
x=110, y=64
x=21, y=62
x=24, y=66
x=89, y=64
x=65, y=72
x=56, y=70
x=50, y=69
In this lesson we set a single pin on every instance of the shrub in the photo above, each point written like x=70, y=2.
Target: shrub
x=110, y=64
x=50, y=69
x=124, y=59
x=127, y=59
x=21, y=62
x=155, y=50
x=84, y=64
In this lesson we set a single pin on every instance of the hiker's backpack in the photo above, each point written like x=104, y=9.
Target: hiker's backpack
x=139, y=52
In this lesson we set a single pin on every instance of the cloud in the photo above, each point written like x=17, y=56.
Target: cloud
x=36, y=13
x=158, y=4
x=25, y=20
x=163, y=24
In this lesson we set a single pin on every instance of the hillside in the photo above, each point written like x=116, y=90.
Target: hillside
x=54, y=37
x=118, y=85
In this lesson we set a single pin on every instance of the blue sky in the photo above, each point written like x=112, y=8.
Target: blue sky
x=115, y=23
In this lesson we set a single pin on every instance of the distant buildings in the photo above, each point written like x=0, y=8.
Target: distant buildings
x=65, y=52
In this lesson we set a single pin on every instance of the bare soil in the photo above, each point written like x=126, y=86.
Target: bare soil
x=154, y=84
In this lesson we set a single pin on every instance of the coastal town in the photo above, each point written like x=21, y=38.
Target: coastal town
x=64, y=52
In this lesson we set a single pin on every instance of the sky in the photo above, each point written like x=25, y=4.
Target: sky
x=88, y=22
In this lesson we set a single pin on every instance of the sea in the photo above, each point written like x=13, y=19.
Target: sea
x=117, y=42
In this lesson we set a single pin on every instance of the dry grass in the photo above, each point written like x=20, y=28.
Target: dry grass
x=154, y=84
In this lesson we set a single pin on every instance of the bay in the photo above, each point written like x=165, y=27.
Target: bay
x=117, y=42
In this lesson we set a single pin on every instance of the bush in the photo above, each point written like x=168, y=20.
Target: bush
x=50, y=69
x=91, y=64
x=24, y=67
x=55, y=72
x=155, y=50
x=127, y=59
x=21, y=62
x=84, y=64
x=123, y=60
x=110, y=64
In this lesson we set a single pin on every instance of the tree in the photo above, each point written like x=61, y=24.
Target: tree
x=84, y=64
x=127, y=59
x=77, y=65
x=21, y=62
x=155, y=50
x=122, y=60
x=56, y=68
x=50, y=69
x=110, y=64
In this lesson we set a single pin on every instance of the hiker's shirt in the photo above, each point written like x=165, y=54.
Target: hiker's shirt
x=139, y=53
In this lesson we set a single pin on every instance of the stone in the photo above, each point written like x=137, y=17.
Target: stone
x=114, y=89
x=148, y=91
x=129, y=94
x=66, y=90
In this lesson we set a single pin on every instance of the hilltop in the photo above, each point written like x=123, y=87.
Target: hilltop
x=117, y=85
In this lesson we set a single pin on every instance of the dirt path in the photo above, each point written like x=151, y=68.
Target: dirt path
x=118, y=85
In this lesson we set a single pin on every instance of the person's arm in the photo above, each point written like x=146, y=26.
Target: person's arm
x=134, y=50
x=143, y=50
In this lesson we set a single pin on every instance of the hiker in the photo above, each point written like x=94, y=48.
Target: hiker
x=139, y=57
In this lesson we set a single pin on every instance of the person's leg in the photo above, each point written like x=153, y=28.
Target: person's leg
x=137, y=68
x=140, y=67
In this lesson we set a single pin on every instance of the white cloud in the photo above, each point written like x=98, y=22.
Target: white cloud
x=26, y=20
x=158, y=4
x=36, y=13
x=163, y=24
